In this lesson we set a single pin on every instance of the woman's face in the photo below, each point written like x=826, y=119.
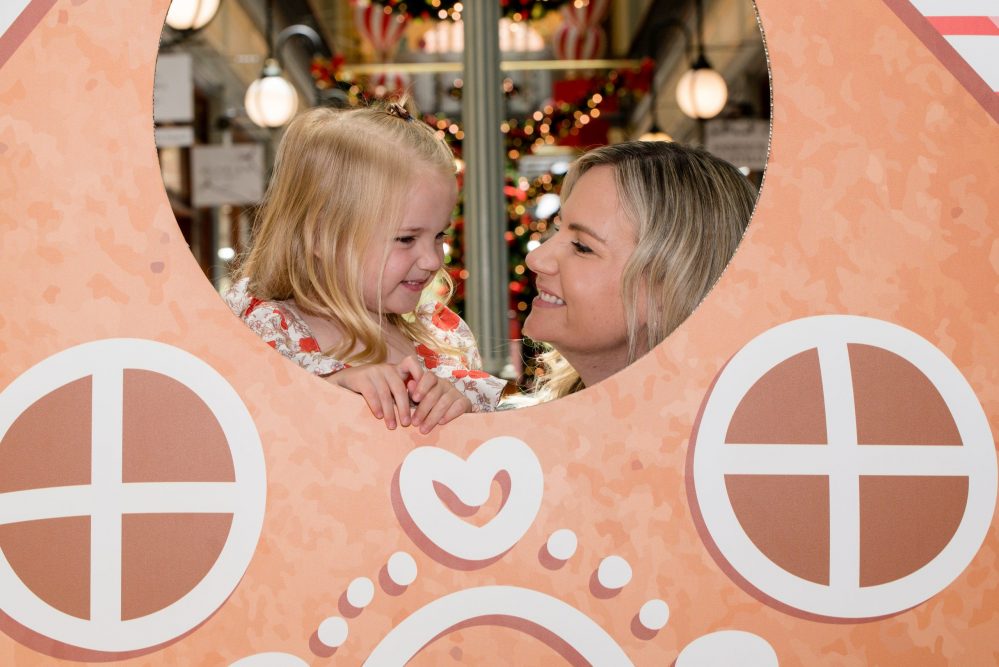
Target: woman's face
x=578, y=273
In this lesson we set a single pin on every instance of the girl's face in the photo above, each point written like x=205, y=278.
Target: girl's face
x=416, y=251
x=579, y=308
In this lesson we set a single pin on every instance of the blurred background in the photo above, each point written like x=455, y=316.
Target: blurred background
x=518, y=88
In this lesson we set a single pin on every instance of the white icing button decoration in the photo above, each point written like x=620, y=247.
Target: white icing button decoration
x=333, y=631
x=727, y=647
x=653, y=615
x=360, y=592
x=614, y=573
x=401, y=568
x=562, y=544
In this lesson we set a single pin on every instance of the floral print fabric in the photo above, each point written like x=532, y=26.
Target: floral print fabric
x=281, y=328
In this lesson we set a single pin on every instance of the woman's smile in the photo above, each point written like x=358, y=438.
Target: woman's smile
x=547, y=300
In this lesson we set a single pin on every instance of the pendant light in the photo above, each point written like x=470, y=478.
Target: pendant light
x=271, y=100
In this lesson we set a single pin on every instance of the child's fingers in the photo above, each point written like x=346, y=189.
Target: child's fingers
x=384, y=393
x=371, y=397
x=399, y=395
x=458, y=408
x=437, y=412
x=410, y=367
x=428, y=401
x=426, y=383
x=383, y=390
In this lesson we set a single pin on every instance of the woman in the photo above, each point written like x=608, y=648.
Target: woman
x=645, y=230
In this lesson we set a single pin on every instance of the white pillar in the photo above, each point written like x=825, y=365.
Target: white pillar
x=485, y=214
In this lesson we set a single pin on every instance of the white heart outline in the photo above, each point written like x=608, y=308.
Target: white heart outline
x=471, y=481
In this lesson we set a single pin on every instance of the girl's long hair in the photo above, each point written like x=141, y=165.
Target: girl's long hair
x=339, y=186
x=690, y=210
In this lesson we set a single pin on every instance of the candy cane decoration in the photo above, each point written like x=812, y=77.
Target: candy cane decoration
x=572, y=43
x=381, y=29
x=585, y=15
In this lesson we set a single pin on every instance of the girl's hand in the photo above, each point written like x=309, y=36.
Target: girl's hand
x=383, y=387
x=438, y=402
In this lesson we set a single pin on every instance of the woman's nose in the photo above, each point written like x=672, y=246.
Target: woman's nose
x=541, y=259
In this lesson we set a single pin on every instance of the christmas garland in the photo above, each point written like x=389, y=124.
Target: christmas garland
x=518, y=10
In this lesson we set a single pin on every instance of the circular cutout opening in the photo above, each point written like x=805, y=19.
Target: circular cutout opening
x=572, y=78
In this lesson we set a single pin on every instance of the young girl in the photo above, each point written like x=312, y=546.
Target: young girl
x=348, y=239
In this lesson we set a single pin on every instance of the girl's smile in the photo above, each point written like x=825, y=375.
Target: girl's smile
x=415, y=285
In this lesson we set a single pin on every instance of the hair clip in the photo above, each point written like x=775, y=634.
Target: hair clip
x=400, y=111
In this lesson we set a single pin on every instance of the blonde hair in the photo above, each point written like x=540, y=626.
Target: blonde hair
x=338, y=188
x=690, y=210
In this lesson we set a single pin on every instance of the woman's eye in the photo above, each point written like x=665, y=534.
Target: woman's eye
x=582, y=248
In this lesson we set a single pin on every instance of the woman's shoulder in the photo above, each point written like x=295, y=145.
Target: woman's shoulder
x=279, y=326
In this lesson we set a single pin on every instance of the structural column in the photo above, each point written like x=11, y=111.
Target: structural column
x=485, y=218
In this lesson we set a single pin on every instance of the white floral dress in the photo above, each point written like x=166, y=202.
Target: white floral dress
x=281, y=328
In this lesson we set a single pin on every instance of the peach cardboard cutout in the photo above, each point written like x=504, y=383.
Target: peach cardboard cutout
x=804, y=473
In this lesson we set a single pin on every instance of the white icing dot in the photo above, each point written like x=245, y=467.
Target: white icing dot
x=728, y=647
x=613, y=573
x=360, y=592
x=333, y=631
x=654, y=614
x=562, y=544
x=401, y=568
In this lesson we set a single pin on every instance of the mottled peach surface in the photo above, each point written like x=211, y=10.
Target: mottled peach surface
x=880, y=199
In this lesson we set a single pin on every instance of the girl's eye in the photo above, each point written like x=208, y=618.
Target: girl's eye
x=582, y=248
x=441, y=236
x=405, y=239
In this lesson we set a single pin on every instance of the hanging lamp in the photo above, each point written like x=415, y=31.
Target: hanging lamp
x=271, y=100
x=701, y=92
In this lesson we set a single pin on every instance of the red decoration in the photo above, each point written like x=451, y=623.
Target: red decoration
x=381, y=29
x=589, y=15
x=580, y=37
x=573, y=43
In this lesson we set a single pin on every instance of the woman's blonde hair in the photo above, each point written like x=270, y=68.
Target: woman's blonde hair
x=690, y=210
x=338, y=188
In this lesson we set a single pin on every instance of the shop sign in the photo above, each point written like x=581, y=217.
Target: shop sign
x=174, y=137
x=743, y=142
x=227, y=174
x=173, y=90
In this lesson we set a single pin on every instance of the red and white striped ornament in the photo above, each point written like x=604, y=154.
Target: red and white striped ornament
x=381, y=29
x=583, y=14
x=571, y=43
